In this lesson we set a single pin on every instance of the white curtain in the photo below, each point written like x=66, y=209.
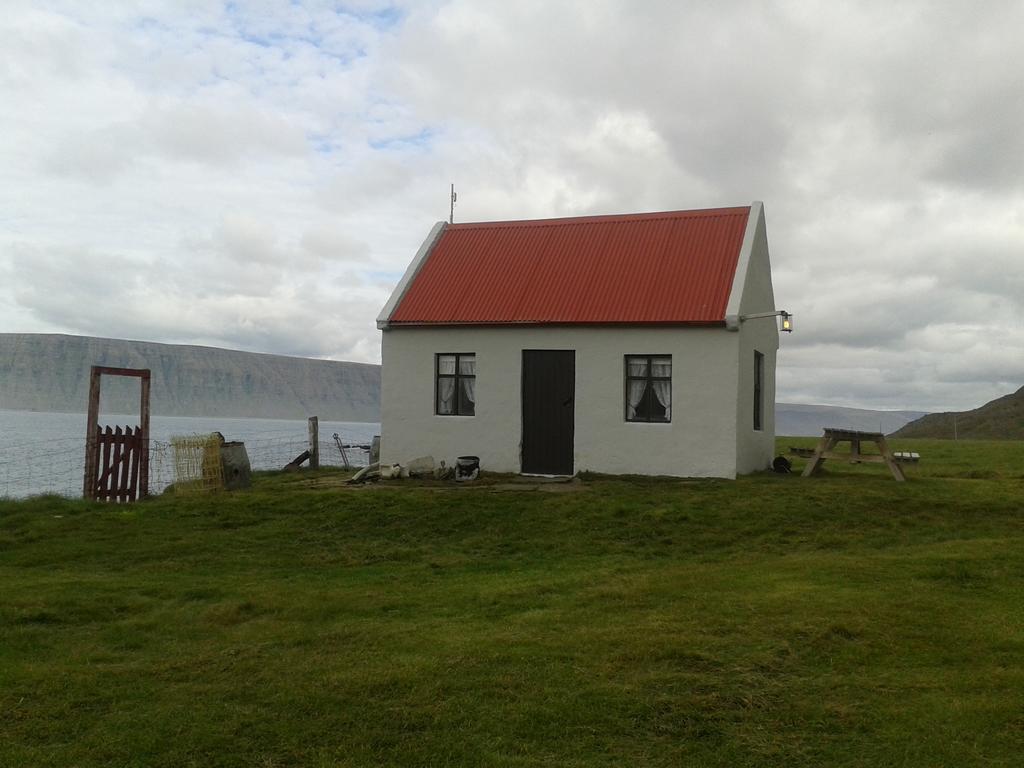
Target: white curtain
x=636, y=386
x=445, y=385
x=468, y=396
x=446, y=365
x=467, y=367
x=445, y=395
x=662, y=366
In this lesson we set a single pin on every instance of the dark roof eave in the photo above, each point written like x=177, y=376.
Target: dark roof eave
x=558, y=323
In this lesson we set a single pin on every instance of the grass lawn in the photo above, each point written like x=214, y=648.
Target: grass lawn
x=844, y=620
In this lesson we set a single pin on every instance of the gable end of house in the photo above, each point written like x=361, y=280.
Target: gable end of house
x=739, y=280
x=384, y=318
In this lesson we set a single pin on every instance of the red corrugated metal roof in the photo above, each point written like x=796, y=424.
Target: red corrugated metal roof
x=673, y=267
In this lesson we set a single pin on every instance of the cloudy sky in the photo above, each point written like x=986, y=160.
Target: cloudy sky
x=256, y=175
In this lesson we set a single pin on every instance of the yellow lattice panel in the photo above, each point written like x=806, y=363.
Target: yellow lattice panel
x=197, y=464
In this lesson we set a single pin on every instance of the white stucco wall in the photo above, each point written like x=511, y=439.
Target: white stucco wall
x=701, y=440
x=756, y=448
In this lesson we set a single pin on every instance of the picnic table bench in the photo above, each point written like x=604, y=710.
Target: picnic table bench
x=832, y=437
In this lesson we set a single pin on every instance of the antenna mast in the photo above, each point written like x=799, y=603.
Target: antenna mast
x=451, y=212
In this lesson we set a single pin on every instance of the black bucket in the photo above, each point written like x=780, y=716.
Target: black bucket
x=467, y=468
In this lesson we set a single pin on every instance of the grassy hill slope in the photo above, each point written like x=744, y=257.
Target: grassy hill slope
x=1001, y=419
x=844, y=620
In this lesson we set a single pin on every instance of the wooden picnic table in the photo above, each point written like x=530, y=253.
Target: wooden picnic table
x=833, y=437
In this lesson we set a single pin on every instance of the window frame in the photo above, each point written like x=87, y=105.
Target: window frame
x=758, y=391
x=457, y=377
x=650, y=378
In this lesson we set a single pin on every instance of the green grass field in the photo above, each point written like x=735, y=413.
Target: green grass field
x=844, y=620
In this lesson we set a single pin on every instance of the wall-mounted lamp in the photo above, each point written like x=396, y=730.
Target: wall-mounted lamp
x=785, y=322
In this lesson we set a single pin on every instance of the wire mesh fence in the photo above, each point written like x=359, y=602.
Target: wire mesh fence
x=56, y=466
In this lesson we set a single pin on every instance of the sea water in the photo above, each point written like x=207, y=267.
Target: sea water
x=45, y=452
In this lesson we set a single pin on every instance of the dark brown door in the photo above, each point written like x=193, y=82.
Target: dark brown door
x=549, y=393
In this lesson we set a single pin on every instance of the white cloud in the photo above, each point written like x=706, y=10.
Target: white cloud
x=258, y=174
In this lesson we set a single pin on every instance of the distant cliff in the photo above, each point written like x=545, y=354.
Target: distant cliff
x=49, y=372
x=794, y=419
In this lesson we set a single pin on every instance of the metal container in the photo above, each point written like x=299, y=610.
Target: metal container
x=467, y=468
x=235, y=461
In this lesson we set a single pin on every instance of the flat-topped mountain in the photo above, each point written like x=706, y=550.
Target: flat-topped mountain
x=1000, y=419
x=795, y=419
x=50, y=372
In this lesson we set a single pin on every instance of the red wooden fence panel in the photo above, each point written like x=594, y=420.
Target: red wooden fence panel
x=122, y=456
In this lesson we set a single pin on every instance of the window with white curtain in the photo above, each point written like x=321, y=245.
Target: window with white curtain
x=455, y=384
x=649, y=388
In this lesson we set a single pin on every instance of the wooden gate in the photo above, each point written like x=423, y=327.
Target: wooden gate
x=120, y=466
x=116, y=461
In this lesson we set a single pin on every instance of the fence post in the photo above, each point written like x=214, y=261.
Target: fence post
x=91, y=435
x=143, y=460
x=314, y=443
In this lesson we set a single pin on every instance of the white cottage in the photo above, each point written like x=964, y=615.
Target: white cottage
x=619, y=344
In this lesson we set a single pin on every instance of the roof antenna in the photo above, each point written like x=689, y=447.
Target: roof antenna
x=451, y=213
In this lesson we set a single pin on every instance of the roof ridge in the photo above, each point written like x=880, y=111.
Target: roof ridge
x=608, y=218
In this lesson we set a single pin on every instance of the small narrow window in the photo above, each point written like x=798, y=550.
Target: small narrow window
x=455, y=387
x=649, y=388
x=758, y=389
